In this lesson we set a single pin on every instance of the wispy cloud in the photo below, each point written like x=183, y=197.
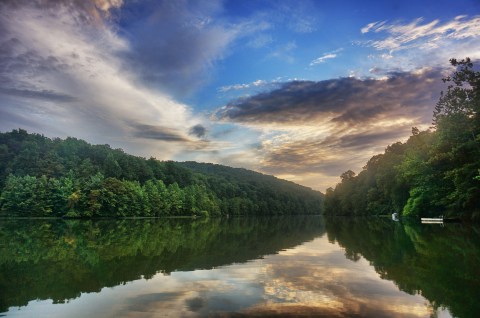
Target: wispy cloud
x=299, y=15
x=284, y=52
x=62, y=73
x=372, y=26
x=255, y=84
x=260, y=41
x=423, y=35
x=325, y=57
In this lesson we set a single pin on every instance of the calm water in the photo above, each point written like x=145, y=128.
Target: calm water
x=303, y=266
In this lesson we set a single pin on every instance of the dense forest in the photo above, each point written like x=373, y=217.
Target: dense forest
x=435, y=172
x=45, y=177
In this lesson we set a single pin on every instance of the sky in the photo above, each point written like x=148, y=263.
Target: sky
x=303, y=90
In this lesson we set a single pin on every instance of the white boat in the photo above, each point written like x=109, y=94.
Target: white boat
x=432, y=220
x=395, y=216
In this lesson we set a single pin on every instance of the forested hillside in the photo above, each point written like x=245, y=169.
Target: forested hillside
x=54, y=177
x=435, y=172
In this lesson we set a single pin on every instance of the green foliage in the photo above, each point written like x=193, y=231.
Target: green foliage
x=239, y=191
x=434, y=172
x=71, y=178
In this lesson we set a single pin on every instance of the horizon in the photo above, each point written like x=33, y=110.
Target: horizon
x=294, y=89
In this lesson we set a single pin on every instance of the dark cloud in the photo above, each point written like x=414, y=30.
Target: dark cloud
x=19, y=65
x=13, y=119
x=198, y=131
x=157, y=133
x=369, y=139
x=173, y=43
x=43, y=95
x=346, y=100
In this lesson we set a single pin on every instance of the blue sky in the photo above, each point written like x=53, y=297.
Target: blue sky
x=303, y=90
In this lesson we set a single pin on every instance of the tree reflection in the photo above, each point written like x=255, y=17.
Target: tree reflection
x=59, y=259
x=440, y=263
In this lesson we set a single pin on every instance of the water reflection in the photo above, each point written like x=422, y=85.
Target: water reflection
x=59, y=259
x=236, y=267
x=438, y=262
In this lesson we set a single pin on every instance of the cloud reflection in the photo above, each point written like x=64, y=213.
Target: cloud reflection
x=314, y=279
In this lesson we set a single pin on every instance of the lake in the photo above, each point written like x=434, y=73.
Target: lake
x=238, y=267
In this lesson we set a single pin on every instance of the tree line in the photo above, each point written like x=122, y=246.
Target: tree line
x=47, y=177
x=435, y=172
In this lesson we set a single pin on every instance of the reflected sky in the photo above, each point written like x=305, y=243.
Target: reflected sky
x=312, y=279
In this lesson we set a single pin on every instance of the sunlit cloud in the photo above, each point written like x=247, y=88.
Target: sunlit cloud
x=423, y=43
x=62, y=73
x=256, y=83
x=115, y=71
x=371, y=26
x=423, y=35
x=325, y=57
x=315, y=129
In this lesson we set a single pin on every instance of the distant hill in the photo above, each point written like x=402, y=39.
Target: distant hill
x=69, y=177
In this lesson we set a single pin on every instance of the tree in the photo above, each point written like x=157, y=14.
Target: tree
x=347, y=175
x=456, y=150
x=462, y=99
x=434, y=172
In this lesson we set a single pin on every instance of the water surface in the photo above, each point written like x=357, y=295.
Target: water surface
x=238, y=267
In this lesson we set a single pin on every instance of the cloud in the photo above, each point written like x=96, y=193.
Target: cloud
x=157, y=133
x=316, y=130
x=422, y=43
x=87, y=11
x=372, y=26
x=339, y=100
x=323, y=58
x=427, y=35
x=326, y=56
x=43, y=94
x=299, y=15
x=198, y=131
x=175, y=44
x=284, y=52
x=62, y=73
x=254, y=84
x=260, y=41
